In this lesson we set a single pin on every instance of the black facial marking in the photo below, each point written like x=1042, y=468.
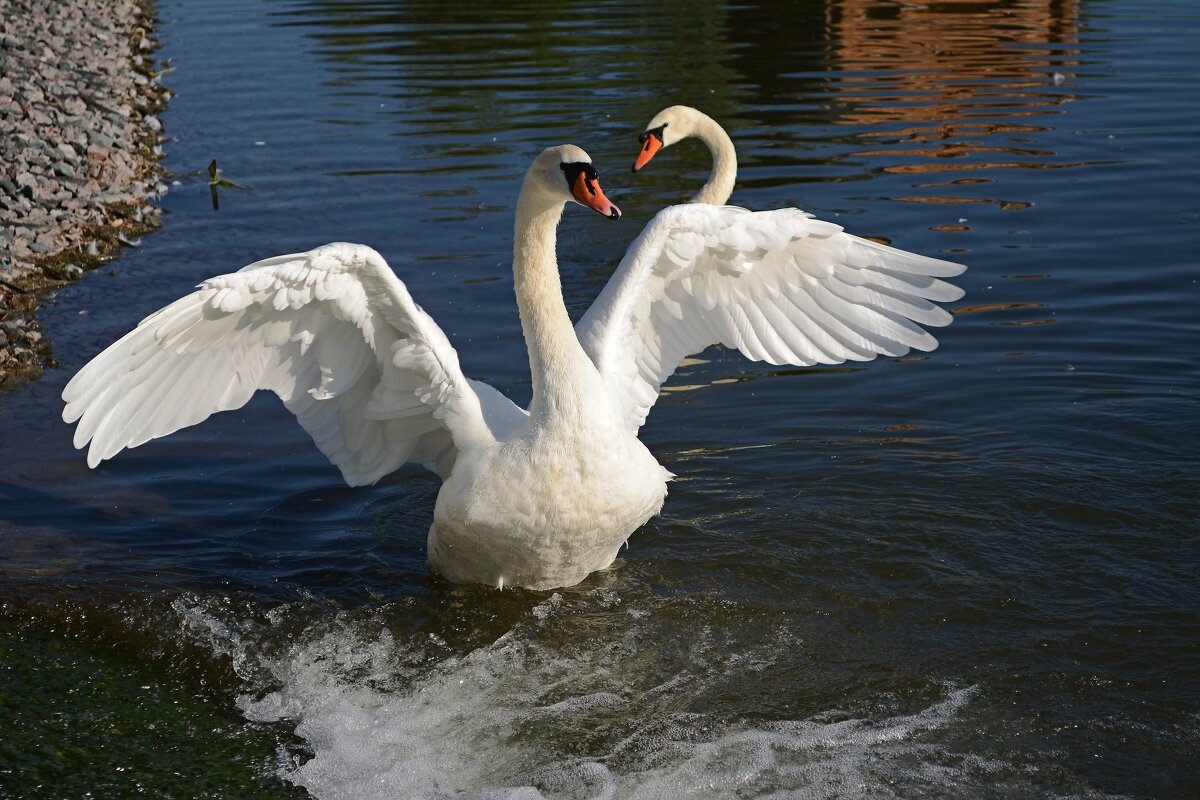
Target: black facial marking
x=657, y=133
x=573, y=171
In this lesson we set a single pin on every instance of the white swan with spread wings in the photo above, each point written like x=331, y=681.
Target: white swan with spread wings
x=540, y=497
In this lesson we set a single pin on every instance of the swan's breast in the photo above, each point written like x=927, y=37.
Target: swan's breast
x=545, y=510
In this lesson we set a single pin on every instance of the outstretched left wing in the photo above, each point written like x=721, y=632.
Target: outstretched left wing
x=780, y=286
x=332, y=331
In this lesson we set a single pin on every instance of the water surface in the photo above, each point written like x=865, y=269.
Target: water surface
x=971, y=573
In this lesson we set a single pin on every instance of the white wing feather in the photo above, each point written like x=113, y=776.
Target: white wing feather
x=779, y=286
x=333, y=332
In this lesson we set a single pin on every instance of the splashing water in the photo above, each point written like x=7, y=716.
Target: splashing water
x=533, y=715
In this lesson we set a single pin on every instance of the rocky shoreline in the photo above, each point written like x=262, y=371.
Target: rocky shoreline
x=80, y=141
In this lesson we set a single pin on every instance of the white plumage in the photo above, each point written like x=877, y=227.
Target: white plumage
x=332, y=331
x=537, y=498
x=779, y=286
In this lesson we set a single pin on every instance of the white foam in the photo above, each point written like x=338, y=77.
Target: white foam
x=531, y=718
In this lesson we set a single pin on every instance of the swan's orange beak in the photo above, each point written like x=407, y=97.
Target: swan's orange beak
x=651, y=144
x=586, y=189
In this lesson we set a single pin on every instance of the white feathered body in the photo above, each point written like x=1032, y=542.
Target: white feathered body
x=547, y=507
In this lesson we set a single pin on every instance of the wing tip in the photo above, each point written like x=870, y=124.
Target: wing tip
x=94, y=455
x=953, y=267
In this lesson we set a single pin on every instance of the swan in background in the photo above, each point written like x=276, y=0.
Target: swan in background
x=780, y=286
x=537, y=498
x=679, y=122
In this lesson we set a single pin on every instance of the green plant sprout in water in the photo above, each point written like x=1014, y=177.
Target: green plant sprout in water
x=216, y=181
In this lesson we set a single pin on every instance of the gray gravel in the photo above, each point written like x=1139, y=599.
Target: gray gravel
x=79, y=143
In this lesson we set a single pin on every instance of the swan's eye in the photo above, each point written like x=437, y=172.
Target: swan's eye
x=657, y=133
x=577, y=168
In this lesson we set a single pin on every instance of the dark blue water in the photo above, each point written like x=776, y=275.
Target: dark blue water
x=970, y=574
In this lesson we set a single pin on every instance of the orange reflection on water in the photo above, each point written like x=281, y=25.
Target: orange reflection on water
x=957, y=77
x=948, y=58
x=994, y=307
x=1005, y=307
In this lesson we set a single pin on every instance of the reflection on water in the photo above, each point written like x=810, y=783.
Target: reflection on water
x=967, y=573
x=958, y=59
x=935, y=68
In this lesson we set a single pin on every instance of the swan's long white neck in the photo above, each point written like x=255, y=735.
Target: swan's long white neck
x=565, y=382
x=724, y=171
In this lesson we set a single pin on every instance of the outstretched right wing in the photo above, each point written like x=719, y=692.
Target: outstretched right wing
x=333, y=332
x=779, y=286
